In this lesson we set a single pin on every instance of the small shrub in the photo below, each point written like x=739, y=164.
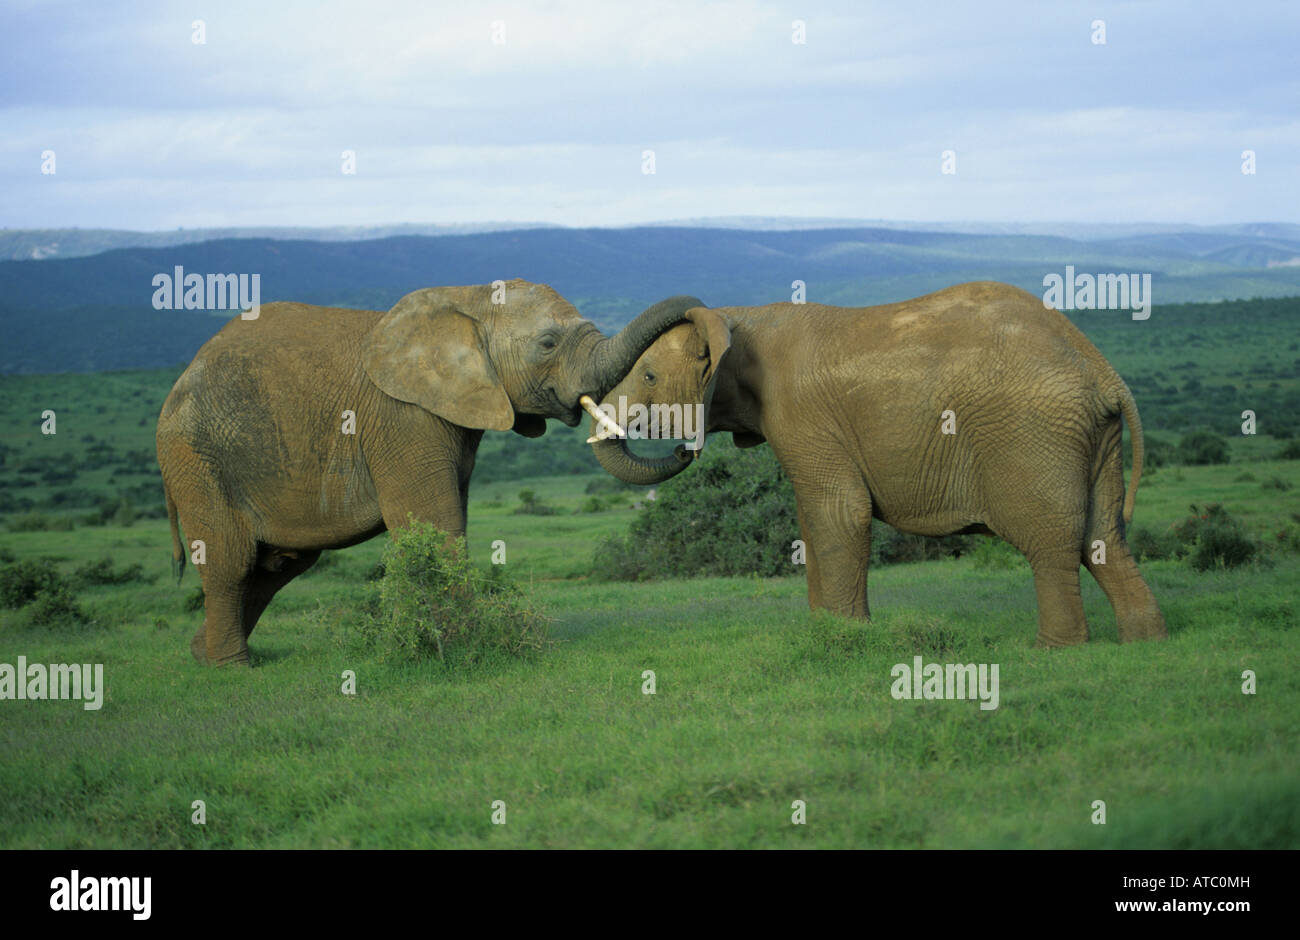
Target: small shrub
x=22, y=581
x=994, y=554
x=56, y=607
x=103, y=572
x=530, y=505
x=1246, y=477
x=38, y=522
x=594, y=504
x=1275, y=483
x=1216, y=539
x=731, y=514
x=1202, y=448
x=1291, y=451
x=433, y=603
x=1146, y=544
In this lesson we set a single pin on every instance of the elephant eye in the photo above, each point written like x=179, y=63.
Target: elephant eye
x=548, y=344
x=650, y=378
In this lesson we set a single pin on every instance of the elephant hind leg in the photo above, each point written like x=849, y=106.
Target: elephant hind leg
x=1060, y=605
x=275, y=569
x=1137, y=615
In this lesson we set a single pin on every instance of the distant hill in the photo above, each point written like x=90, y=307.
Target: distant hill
x=41, y=244
x=91, y=313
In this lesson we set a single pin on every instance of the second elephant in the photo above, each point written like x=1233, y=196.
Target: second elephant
x=973, y=409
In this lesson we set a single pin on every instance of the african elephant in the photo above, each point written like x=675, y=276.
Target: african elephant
x=312, y=428
x=973, y=409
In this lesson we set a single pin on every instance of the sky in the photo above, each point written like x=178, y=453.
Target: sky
x=544, y=112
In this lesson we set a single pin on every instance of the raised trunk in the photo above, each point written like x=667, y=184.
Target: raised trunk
x=613, y=358
x=619, y=461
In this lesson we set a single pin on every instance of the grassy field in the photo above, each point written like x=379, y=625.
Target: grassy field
x=758, y=703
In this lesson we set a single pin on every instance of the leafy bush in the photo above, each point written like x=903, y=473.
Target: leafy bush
x=42, y=592
x=531, y=505
x=22, y=581
x=1275, y=483
x=40, y=522
x=56, y=607
x=103, y=572
x=1146, y=544
x=594, y=504
x=993, y=554
x=733, y=513
x=1290, y=452
x=432, y=602
x=1209, y=538
x=1201, y=448
x=1217, y=540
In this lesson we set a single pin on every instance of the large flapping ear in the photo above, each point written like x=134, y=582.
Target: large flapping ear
x=427, y=352
x=716, y=337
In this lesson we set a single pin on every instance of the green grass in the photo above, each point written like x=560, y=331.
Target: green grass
x=758, y=703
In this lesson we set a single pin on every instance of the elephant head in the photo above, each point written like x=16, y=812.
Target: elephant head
x=503, y=357
x=680, y=367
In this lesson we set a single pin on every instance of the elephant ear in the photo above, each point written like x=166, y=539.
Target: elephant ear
x=427, y=352
x=715, y=337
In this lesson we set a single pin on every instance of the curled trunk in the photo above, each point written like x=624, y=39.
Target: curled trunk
x=613, y=358
x=619, y=461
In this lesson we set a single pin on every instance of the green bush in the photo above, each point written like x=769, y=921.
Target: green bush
x=432, y=602
x=732, y=513
x=1201, y=448
x=1145, y=544
x=531, y=505
x=1217, y=540
x=594, y=504
x=43, y=593
x=103, y=572
x=1290, y=452
x=56, y=607
x=40, y=522
x=1275, y=483
x=22, y=581
x=993, y=554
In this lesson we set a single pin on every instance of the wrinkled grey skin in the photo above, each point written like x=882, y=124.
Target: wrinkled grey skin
x=853, y=402
x=253, y=440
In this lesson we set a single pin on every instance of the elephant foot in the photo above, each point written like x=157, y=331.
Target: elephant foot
x=239, y=658
x=1148, y=628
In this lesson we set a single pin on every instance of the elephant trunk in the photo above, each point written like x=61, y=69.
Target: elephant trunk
x=619, y=461
x=612, y=358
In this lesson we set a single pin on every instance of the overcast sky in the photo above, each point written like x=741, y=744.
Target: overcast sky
x=153, y=131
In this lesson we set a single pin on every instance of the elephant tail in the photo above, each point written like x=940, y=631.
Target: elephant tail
x=178, y=552
x=1129, y=407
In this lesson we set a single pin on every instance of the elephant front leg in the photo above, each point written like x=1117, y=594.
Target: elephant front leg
x=835, y=522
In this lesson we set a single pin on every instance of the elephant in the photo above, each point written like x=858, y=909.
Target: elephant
x=974, y=409
x=310, y=428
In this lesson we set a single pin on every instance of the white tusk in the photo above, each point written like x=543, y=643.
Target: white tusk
x=608, y=427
